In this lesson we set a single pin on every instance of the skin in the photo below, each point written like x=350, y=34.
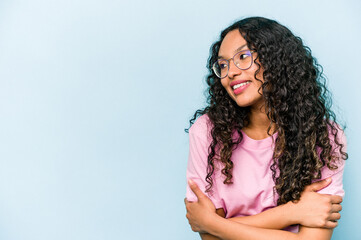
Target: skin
x=316, y=213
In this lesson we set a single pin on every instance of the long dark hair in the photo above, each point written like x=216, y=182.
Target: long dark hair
x=297, y=102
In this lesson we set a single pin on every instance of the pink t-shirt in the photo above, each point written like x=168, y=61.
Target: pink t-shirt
x=252, y=188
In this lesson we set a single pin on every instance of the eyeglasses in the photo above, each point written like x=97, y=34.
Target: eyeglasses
x=242, y=60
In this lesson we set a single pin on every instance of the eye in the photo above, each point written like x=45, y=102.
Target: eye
x=244, y=56
x=222, y=65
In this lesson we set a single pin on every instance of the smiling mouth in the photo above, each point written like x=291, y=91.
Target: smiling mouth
x=240, y=85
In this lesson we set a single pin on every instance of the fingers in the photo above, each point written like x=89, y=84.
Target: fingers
x=336, y=208
x=334, y=217
x=333, y=220
x=336, y=199
x=331, y=224
x=316, y=186
x=193, y=186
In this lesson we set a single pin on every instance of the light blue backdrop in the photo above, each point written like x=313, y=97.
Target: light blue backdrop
x=94, y=97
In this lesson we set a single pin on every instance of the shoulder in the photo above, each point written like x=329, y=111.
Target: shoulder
x=202, y=126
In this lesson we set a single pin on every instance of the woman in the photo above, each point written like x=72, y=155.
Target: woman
x=266, y=142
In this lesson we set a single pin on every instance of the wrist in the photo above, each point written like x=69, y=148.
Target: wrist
x=210, y=222
x=291, y=213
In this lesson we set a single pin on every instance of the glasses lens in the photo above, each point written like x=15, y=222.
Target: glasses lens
x=220, y=68
x=243, y=59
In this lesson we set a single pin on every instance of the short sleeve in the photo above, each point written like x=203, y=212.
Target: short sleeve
x=336, y=186
x=199, y=142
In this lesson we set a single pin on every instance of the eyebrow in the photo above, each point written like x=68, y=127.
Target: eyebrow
x=237, y=50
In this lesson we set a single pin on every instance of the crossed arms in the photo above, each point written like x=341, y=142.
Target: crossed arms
x=316, y=213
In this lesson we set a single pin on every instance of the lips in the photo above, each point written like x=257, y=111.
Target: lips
x=238, y=82
x=239, y=85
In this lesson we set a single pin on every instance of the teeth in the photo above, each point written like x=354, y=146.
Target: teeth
x=240, y=85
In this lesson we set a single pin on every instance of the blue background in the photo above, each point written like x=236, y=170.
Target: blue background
x=94, y=97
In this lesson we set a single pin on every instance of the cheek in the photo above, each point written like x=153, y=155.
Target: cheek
x=224, y=82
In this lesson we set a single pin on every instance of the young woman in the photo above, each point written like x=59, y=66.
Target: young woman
x=266, y=155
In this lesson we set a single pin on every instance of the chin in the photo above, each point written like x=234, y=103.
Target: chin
x=243, y=105
x=247, y=102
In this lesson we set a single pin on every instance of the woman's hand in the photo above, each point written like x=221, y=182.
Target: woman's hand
x=318, y=210
x=201, y=212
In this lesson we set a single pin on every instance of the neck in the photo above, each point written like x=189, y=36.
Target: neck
x=258, y=123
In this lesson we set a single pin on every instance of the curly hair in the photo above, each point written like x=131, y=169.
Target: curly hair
x=297, y=103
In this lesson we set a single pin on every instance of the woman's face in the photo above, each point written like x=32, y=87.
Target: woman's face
x=245, y=94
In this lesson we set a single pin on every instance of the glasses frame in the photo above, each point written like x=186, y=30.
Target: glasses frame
x=229, y=63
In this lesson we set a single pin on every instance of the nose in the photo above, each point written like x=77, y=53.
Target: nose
x=233, y=69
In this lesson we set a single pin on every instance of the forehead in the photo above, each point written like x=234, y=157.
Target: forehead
x=231, y=42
